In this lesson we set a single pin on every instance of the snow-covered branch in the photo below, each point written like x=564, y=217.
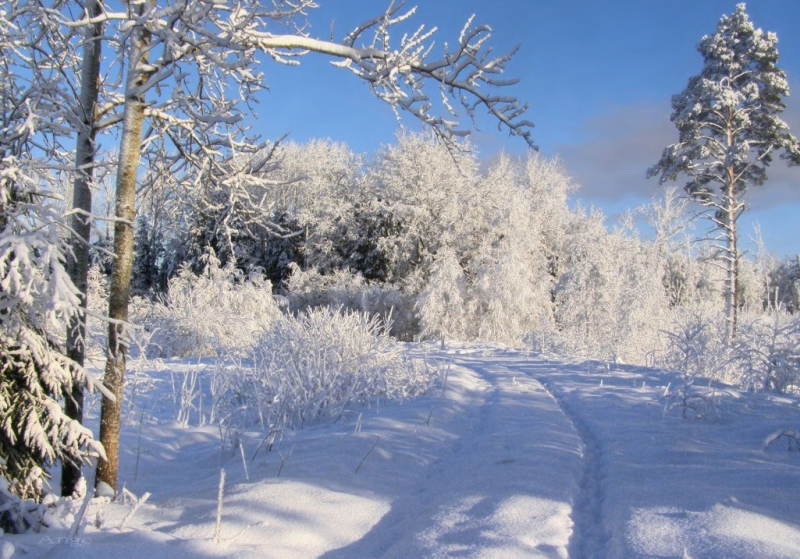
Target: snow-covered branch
x=398, y=74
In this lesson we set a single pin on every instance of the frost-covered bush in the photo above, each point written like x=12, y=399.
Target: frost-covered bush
x=20, y=515
x=767, y=351
x=442, y=306
x=493, y=279
x=609, y=299
x=310, y=367
x=764, y=356
x=695, y=347
x=695, y=344
x=510, y=296
x=309, y=289
x=97, y=303
x=219, y=309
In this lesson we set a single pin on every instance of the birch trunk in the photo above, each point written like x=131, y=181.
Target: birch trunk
x=119, y=292
x=78, y=259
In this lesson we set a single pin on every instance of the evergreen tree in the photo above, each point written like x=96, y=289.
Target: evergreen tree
x=148, y=249
x=36, y=299
x=729, y=129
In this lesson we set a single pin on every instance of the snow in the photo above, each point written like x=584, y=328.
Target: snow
x=517, y=455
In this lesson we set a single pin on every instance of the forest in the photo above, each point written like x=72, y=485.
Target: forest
x=443, y=245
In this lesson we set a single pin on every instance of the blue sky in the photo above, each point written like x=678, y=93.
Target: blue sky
x=598, y=75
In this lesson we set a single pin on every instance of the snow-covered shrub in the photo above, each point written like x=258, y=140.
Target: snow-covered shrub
x=492, y=280
x=785, y=284
x=695, y=345
x=767, y=350
x=510, y=296
x=97, y=302
x=694, y=402
x=510, y=289
x=220, y=308
x=309, y=289
x=442, y=306
x=764, y=356
x=791, y=436
x=309, y=367
x=19, y=515
x=609, y=299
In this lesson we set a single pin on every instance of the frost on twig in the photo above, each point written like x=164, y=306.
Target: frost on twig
x=468, y=72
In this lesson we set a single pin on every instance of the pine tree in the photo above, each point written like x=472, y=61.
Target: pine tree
x=729, y=130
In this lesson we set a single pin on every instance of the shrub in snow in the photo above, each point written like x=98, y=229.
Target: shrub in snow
x=695, y=345
x=97, y=303
x=221, y=308
x=511, y=294
x=609, y=302
x=764, y=356
x=767, y=350
x=310, y=367
x=694, y=402
x=19, y=515
x=696, y=348
x=791, y=436
x=308, y=289
x=441, y=307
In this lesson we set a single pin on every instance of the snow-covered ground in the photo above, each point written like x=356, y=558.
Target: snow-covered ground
x=518, y=455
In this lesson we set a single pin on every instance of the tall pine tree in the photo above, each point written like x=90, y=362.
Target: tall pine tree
x=729, y=129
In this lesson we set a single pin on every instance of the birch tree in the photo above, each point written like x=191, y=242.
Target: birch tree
x=81, y=223
x=729, y=130
x=187, y=62
x=36, y=295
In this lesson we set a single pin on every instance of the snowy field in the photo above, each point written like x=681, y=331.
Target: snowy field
x=517, y=455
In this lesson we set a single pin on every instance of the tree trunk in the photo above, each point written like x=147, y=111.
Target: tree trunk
x=731, y=259
x=78, y=258
x=119, y=293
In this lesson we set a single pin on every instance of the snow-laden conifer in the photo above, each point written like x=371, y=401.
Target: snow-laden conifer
x=729, y=129
x=37, y=299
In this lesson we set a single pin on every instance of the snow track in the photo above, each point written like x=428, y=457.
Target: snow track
x=513, y=438
x=590, y=536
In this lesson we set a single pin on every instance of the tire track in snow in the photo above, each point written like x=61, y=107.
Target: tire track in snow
x=590, y=537
x=501, y=489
